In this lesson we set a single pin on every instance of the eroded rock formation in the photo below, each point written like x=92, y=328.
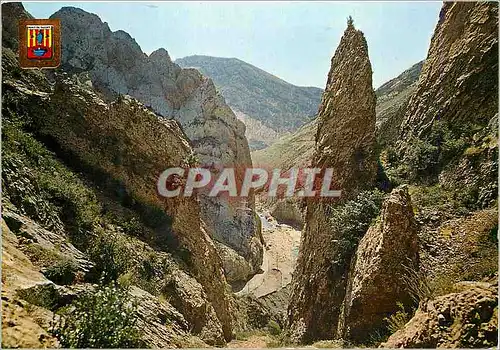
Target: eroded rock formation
x=117, y=65
x=384, y=254
x=467, y=318
x=461, y=68
x=344, y=142
x=121, y=147
x=449, y=129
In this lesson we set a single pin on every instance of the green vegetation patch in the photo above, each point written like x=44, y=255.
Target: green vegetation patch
x=104, y=318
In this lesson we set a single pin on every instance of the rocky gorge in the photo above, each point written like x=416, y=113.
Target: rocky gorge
x=406, y=257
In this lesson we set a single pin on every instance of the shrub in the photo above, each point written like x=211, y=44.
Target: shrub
x=105, y=318
x=422, y=160
x=63, y=272
x=273, y=328
x=110, y=256
x=398, y=319
x=352, y=219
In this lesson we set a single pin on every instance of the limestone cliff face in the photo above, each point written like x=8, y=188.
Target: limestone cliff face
x=123, y=146
x=344, y=142
x=449, y=131
x=375, y=283
x=117, y=65
x=458, y=79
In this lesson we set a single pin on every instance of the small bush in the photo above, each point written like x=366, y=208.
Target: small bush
x=352, y=219
x=273, y=328
x=397, y=320
x=110, y=256
x=63, y=272
x=105, y=318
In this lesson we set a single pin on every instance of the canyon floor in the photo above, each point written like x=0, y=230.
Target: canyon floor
x=280, y=253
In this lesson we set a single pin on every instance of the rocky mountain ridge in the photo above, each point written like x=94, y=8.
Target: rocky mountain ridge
x=268, y=105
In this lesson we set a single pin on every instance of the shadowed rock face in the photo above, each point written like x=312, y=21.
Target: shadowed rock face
x=375, y=285
x=344, y=142
x=117, y=65
x=129, y=151
x=11, y=14
x=459, y=79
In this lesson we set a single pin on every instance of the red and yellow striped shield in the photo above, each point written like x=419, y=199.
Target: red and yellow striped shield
x=40, y=40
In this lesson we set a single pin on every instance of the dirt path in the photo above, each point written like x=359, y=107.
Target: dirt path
x=254, y=341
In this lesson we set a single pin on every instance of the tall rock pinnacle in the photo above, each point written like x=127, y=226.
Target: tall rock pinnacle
x=345, y=142
x=346, y=130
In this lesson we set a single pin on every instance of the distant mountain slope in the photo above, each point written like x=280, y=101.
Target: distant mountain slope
x=256, y=94
x=290, y=150
x=391, y=96
x=299, y=146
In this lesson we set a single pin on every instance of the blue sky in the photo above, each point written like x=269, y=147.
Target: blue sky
x=292, y=40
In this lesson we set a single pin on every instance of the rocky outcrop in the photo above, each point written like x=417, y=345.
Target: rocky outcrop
x=460, y=73
x=467, y=318
x=46, y=241
x=297, y=149
x=236, y=269
x=346, y=119
x=11, y=14
x=122, y=146
x=345, y=142
x=117, y=65
x=449, y=125
x=375, y=283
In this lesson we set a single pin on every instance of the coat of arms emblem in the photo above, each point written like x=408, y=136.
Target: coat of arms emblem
x=39, y=43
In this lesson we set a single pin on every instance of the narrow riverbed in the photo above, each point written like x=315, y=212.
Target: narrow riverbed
x=280, y=254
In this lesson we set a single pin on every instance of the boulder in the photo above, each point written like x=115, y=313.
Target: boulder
x=375, y=284
x=467, y=318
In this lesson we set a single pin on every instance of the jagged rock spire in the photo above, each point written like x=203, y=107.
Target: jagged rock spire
x=345, y=142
